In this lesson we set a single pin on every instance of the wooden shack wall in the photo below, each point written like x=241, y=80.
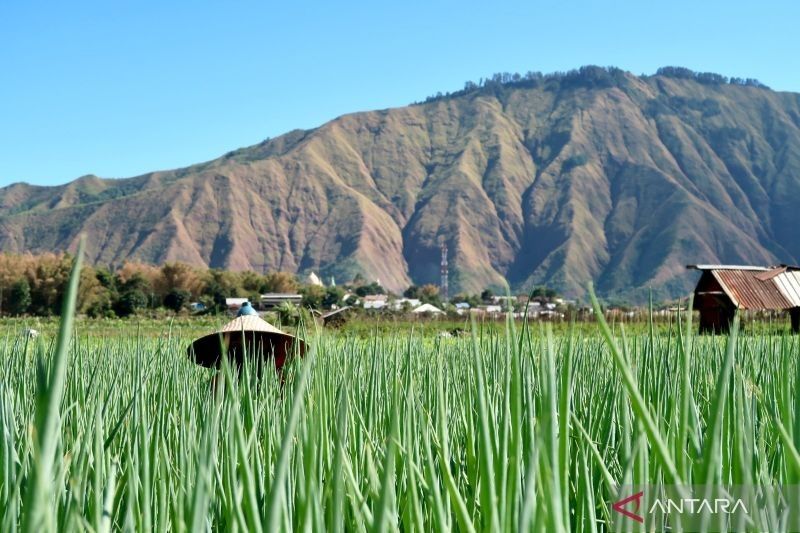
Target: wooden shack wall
x=716, y=308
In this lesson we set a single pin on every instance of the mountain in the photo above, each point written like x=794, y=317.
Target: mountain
x=595, y=174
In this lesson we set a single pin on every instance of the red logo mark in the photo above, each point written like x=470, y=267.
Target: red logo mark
x=620, y=506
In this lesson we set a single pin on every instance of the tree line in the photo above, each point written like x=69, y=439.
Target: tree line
x=34, y=285
x=589, y=76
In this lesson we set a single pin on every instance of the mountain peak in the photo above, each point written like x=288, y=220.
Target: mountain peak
x=558, y=179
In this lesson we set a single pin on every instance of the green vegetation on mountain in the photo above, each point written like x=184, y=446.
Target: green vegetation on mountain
x=595, y=174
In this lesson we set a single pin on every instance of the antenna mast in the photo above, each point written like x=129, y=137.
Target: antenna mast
x=443, y=288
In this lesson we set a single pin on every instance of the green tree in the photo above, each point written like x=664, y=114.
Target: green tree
x=252, y=283
x=91, y=292
x=544, y=292
x=333, y=296
x=106, y=278
x=19, y=297
x=48, y=278
x=132, y=295
x=129, y=302
x=412, y=292
x=280, y=282
x=429, y=294
x=177, y=277
x=102, y=305
x=313, y=296
x=176, y=299
x=215, y=298
x=220, y=284
x=372, y=288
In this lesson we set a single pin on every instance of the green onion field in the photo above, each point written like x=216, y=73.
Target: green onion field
x=518, y=430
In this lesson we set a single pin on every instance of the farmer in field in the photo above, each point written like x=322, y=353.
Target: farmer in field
x=248, y=335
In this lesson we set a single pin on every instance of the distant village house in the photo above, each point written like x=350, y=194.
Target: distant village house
x=375, y=301
x=275, y=299
x=427, y=309
x=401, y=303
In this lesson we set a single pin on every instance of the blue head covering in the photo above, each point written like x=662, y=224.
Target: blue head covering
x=246, y=309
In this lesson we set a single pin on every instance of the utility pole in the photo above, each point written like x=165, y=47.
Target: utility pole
x=443, y=288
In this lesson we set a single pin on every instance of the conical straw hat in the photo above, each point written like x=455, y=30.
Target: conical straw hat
x=250, y=323
x=260, y=336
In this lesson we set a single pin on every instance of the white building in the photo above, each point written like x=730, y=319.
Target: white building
x=398, y=304
x=462, y=308
x=375, y=301
x=276, y=299
x=427, y=308
x=504, y=300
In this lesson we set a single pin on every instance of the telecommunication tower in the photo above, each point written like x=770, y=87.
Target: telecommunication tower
x=443, y=288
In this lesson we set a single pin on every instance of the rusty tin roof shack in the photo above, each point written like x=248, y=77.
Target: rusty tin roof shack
x=337, y=317
x=722, y=289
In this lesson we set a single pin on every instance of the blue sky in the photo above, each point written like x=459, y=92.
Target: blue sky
x=121, y=88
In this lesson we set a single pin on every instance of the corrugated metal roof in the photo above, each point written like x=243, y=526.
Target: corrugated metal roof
x=789, y=284
x=769, y=274
x=749, y=292
x=755, y=287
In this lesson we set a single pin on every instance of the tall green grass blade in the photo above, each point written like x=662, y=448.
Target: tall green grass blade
x=38, y=515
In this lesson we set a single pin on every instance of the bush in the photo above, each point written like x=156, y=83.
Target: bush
x=129, y=302
x=176, y=299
